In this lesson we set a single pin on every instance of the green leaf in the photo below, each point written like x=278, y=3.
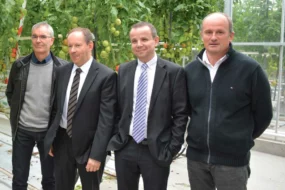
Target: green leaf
x=57, y=4
x=114, y=12
x=141, y=4
x=180, y=7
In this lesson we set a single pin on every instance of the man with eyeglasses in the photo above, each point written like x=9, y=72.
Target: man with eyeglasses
x=30, y=94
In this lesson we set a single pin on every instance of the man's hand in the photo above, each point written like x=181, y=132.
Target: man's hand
x=92, y=165
x=51, y=152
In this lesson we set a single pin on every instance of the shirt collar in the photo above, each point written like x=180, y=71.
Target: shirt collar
x=46, y=60
x=85, y=67
x=207, y=63
x=151, y=63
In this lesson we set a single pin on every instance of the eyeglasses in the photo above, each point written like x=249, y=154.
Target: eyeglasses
x=42, y=37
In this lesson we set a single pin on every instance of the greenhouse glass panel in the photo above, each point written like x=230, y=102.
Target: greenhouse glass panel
x=257, y=20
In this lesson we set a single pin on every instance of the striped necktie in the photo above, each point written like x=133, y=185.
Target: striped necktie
x=72, y=101
x=140, y=124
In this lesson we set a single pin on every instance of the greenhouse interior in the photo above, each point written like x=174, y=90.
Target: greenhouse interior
x=259, y=33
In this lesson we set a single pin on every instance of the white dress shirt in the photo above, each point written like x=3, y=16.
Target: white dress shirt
x=150, y=79
x=212, y=69
x=85, y=68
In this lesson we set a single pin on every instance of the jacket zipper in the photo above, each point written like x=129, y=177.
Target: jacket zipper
x=209, y=112
x=209, y=116
x=208, y=126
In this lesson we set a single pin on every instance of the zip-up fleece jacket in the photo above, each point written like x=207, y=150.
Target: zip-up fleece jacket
x=228, y=114
x=16, y=87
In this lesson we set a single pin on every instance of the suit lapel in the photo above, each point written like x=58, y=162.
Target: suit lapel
x=92, y=73
x=130, y=82
x=158, y=80
x=65, y=81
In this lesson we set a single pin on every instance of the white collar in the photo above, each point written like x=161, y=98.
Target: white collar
x=207, y=63
x=151, y=63
x=85, y=67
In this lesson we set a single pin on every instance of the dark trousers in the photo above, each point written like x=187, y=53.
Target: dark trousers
x=204, y=176
x=66, y=166
x=21, y=156
x=135, y=160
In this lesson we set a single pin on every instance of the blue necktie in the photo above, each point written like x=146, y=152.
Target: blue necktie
x=139, y=125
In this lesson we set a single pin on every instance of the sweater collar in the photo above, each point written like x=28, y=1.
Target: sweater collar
x=46, y=60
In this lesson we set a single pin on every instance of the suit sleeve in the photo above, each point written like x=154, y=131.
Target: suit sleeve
x=179, y=112
x=117, y=109
x=55, y=101
x=106, y=118
x=261, y=102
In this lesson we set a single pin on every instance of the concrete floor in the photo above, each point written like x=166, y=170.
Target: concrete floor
x=268, y=171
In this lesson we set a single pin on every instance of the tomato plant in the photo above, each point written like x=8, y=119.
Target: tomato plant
x=177, y=22
x=178, y=25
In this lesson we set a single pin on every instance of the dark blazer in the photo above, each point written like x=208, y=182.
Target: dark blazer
x=93, y=120
x=167, y=115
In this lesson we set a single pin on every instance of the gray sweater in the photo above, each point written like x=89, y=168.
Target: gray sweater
x=35, y=112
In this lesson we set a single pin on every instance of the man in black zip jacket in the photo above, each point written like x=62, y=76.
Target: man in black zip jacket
x=230, y=106
x=30, y=94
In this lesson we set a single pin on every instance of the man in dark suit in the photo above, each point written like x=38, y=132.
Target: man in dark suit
x=84, y=118
x=152, y=114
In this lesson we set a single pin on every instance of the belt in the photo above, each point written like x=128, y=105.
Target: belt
x=143, y=142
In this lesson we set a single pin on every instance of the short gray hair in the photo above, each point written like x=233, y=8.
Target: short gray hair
x=44, y=23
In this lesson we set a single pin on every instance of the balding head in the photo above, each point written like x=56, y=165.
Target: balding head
x=219, y=15
x=217, y=34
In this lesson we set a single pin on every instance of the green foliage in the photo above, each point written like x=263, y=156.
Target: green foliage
x=177, y=22
x=259, y=21
x=10, y=11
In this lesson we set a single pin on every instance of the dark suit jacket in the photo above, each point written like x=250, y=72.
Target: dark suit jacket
x=167, y=116
x=93, y=120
